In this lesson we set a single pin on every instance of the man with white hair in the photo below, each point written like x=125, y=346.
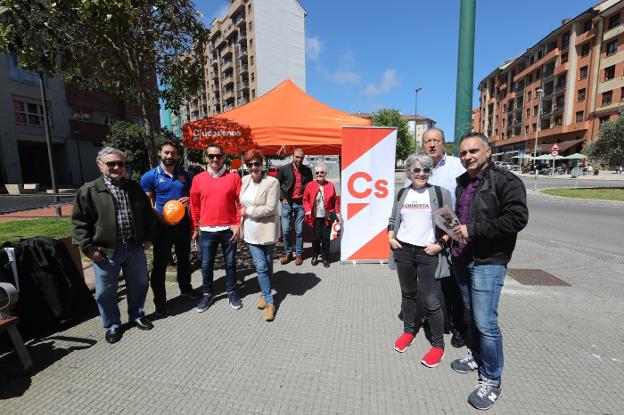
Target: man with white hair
x=113, y=223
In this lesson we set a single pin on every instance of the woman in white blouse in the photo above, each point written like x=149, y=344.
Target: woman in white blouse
x=260, y=216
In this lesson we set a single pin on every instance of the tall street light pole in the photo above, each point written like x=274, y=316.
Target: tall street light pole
x=415, y=115
x=540, y=94
x=46, y=126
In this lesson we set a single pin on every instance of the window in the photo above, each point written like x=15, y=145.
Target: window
x=534, y=126
x=612, y=47
x=583, y=72
x=559, y=121
x=529, y=95
x=565, y=41
x=614, y=21
x=564, y=57
x=535, y=110
x=526, y=129
x=604, y=119
x=253, y=77
x=581, y=95
x=585, y=49
x=622, y=94
x=609, y=73
x=529, y=78
x=538, y=73
x=579, y=116
x=251, y=60
x=18, y=74
x=528, y=112
x=587, y=26
x=28, y=113
x=540, y=54
x=253, y=93
x=81, y=114
x=607, y=98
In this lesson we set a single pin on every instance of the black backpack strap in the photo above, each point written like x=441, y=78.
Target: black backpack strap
x=439, y=195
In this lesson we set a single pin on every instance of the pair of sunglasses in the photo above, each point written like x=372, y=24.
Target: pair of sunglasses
x=214, y=156
x=319, y=173
x=113, y=164
x=253, y=164
x=417, y=170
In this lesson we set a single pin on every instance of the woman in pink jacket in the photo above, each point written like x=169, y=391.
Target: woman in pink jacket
x=321, y=210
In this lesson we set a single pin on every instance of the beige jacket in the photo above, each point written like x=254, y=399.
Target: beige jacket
x=265, y=214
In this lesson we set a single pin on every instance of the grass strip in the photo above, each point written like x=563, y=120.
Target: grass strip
x=598, y=193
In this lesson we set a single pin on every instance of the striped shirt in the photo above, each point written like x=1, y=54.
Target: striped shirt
x=123, y=213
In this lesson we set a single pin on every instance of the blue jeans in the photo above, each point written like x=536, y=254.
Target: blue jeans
x=290, y=210
x=262, y=256
x=209, y=242
x=481, y=287
x=130, y=258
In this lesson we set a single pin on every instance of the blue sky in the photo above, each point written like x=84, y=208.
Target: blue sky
x=365, y=55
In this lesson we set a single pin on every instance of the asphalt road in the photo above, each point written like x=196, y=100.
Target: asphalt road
x=589, y=224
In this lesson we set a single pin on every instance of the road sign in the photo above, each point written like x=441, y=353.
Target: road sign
x=555, y=150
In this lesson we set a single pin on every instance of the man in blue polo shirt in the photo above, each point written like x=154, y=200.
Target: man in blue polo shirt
x=163, y=183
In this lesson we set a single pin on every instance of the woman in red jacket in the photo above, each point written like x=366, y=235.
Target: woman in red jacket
x=321, y=210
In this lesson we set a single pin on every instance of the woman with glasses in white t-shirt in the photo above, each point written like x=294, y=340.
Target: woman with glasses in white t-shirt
x=416, y=245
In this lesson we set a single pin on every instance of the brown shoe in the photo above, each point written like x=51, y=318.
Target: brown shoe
x=298, y=260
x=286, y=259
x=269, y=312
x=261, y=302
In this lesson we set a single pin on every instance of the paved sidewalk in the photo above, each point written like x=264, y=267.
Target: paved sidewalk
x=329, y=351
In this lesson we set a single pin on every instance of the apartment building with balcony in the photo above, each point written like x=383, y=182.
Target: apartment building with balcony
x=578, y=72
x=23, y=148
x=256, y=46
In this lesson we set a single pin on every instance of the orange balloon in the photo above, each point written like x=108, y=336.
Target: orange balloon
x=173, y=211
x=235, y=164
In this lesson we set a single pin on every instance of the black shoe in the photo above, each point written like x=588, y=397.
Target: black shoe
x=457, y=340
x=143, y=323
x=190, y=294
x=162, y=312
x=326, y=263
x=315, y=260
x=113, y=335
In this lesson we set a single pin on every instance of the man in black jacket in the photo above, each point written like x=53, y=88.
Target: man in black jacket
x=112, y=223
x=491, y=208
x=293, y=178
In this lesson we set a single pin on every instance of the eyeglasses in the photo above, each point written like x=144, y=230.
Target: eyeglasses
x=113, y=164
x=417, y=170
x=320, y=173
x=214, y=156
x=253, y=164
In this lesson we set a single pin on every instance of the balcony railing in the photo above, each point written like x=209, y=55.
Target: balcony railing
x=243, y=85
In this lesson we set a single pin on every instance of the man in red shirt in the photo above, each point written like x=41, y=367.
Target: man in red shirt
x=216, y=221
x=293, y=178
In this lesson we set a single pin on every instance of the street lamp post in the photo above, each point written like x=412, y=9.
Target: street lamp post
x=540, y=94
x=415, y=114
x=48, y=136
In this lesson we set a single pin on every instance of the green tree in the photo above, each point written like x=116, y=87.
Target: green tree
x=125, y=47
x=392, y=118
x=449, y=148
x=609, y=147
x=130, y=139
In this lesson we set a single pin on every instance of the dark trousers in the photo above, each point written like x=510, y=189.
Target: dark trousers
x=416, y=271
x=452, y=304
x=320, y=241
x=168, y=236
x=209, y=242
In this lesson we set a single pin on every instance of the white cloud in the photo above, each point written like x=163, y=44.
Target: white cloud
x=314, y=47
x=389, y=80
x=343, y=77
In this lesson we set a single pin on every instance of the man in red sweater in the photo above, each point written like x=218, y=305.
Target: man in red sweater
x=216, y=220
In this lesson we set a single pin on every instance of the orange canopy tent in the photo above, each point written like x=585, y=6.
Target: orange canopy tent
x=283, y=118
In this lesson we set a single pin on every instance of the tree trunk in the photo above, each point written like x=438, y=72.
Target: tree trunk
x=147, y=110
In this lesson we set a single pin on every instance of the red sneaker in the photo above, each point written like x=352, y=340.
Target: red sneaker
x=433, y=357
x=403, y=342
